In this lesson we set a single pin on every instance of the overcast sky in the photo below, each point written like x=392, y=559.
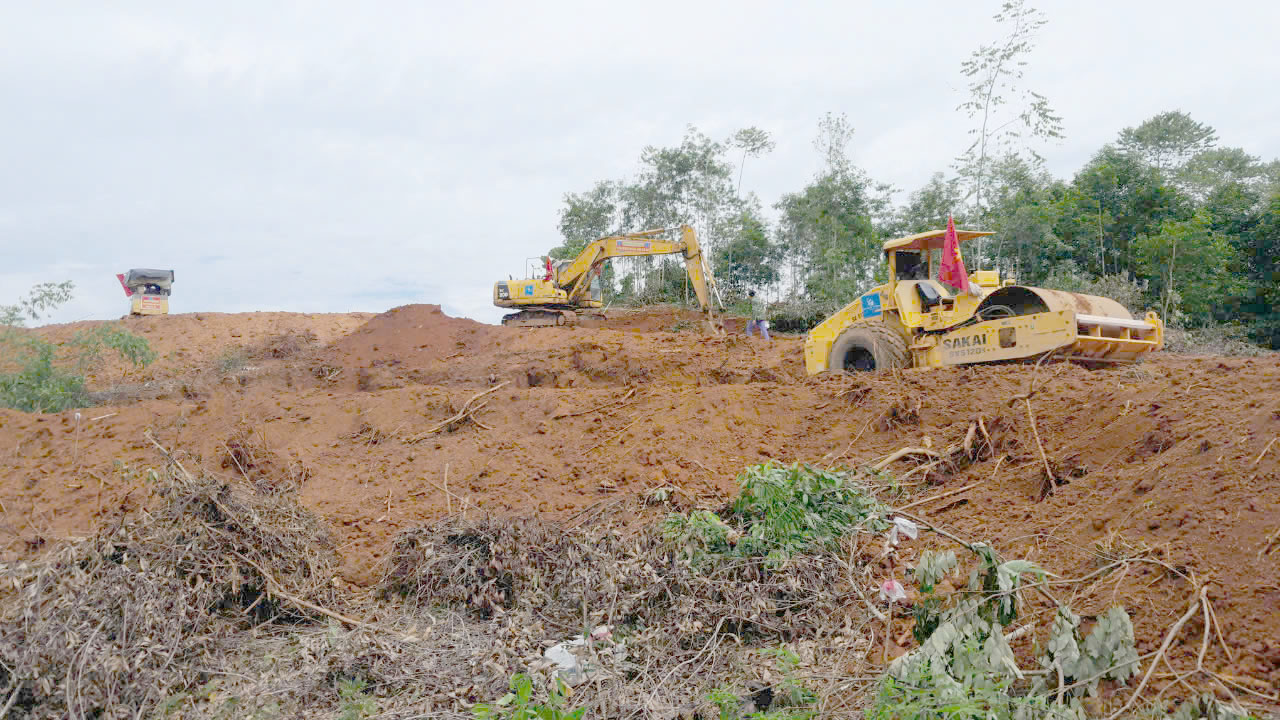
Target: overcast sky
x=325, y=157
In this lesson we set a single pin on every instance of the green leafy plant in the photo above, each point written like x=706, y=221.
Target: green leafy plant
x=701, y=535
x=965, y=666
x=354, y=703
x=42, y=298
x=932, y=567
x=43, y=377
x=1108, y=652
x=519, y=704
x=780, y=511
x=789, y=692
x=727, y=702
x=929, y=692
x=791, y=700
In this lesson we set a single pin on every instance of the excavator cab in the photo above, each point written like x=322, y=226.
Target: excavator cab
x=573, y=286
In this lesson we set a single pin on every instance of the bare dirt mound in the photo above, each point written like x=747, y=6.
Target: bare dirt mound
x=1174, y=459
x=186, y=343
x=663, y=318
x=420, y=345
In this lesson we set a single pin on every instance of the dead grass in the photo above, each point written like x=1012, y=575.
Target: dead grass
x=677, y=633
x=284, y=345
x=1227, y=340
x=109, y=626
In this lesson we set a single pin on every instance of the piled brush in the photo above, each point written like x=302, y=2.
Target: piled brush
x=112, y=625
x=674, y=626
x=283, y=345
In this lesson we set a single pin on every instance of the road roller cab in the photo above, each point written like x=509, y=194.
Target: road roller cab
x=915, y=321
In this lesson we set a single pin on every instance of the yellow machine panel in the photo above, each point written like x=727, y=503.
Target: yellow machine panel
x=148, y=305
x=915, y=321
x=572, y=286
x=148, y=290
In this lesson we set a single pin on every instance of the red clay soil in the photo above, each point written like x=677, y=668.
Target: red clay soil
x=1174, y=459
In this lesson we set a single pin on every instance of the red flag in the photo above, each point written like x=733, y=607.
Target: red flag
x=127, y=291
x=953, y=272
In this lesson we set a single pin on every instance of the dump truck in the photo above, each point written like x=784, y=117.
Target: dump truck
x=915, y=321
x=572, y=287
x=148, y=290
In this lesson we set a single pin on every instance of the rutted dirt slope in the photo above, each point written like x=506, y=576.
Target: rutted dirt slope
x=1173, y=458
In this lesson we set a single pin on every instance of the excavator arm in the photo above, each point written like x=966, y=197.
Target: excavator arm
x=575, y=278
x=555, y=299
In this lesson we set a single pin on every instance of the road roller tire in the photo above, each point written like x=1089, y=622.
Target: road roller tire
x=868, y=346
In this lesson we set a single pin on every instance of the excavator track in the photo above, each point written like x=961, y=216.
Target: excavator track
x=540, y=318
x=569, y=291
x=544, y=317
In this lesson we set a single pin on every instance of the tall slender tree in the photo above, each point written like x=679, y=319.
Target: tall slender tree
x=1007, y=116
x=753, y=142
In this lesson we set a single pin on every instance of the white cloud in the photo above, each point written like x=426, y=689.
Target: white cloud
x=360, y=156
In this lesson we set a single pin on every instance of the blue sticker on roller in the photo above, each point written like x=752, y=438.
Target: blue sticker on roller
x=871, y=305
x=528, y=290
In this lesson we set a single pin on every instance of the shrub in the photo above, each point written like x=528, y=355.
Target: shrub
x=964, y=666
x=1069, y=277
x=780, y=511
x=232, y=360
x=43, y=377
x=519, y=704
x=1227, y=339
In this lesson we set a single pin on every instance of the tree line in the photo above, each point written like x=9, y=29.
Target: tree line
x=1164, y=217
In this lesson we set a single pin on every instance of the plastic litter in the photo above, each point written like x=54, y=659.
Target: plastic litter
x=569, y=666
x=892, y=591
x=903, y=526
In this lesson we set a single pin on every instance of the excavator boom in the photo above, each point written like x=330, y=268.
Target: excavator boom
x=568, y=289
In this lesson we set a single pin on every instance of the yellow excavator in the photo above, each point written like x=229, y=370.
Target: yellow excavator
x=572, y=287
x=914, y=321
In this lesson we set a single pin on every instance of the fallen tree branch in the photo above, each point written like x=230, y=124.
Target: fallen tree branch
x=925, y=467
x=855, y=439
x=1048, y=473
x=274, y=588
x=944, y=533
x=468, y=412
x=13, y=697
x=899, y=454
x=620, y=400
x=957, y=491
x=1196, y=604
x=611, y=438
x=1264, y=450
x=1026, y=397
x=1213, y=614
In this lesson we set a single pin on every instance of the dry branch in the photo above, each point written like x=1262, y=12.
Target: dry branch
x=468, y=412
x=611, y=438
x=609, y=404
x=1051, y=482
x=1196, y=604
x=957, y=491
x=899, y=454
x=1264, y=450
